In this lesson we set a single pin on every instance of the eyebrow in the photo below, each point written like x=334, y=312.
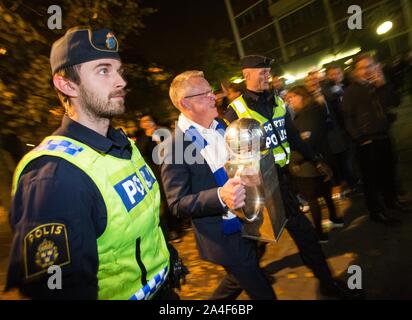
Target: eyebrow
x=102, y=65
x=120, y=69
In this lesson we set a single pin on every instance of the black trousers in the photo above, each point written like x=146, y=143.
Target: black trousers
x=343, y=165
x=249, y=277
x=377, y=166
x=302, y=232
x=304, y=236
x=313, y=188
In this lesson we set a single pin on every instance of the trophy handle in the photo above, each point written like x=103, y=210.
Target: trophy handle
x=255, y=215
x=253, y=218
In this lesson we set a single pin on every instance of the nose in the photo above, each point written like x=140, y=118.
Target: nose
x=120, y=82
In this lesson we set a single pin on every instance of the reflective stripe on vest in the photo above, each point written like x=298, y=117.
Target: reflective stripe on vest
x=280, y=156
x=151, y=287
x=132, y=251
x=243, y=111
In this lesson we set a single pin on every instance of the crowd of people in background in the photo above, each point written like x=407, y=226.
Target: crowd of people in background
x=345, y=117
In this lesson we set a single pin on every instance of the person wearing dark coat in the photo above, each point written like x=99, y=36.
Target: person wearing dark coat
x=367, y=124
x=310, y=121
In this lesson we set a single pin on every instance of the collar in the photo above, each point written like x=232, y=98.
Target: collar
x=200, y=128
x=74, y=130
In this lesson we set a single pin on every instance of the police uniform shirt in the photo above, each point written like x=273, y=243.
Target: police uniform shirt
x=57, y=199
x=263, y=104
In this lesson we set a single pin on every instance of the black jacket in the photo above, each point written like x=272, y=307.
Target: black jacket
x=310, y=121
x=333, y=95
x=364, y=115
x=339, y=140
x=389, y=99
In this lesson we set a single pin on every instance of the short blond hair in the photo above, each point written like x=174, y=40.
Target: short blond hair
x=178, y=87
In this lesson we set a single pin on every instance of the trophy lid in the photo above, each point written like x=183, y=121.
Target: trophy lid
x=245, y=137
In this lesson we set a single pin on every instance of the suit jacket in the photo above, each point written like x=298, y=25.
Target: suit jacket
x=191, y=191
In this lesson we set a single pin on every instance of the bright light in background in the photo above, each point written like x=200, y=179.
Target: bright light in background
x=384, y=27
x=348, y=62
x=331, y=58
x=288, y=78
x=3, y=51
x=237, y=80
x=30, y=145
x=291, y=78
x=301, y=75
x=155, y=69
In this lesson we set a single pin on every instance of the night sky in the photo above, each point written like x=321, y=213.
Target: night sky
x=180, y=28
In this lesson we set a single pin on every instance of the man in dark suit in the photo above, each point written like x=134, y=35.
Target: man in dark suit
x=197, y=186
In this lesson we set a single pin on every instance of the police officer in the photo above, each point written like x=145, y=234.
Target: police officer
x=259, y=103
x=84, y=200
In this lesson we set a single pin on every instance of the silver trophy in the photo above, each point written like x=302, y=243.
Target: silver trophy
x=263, y=214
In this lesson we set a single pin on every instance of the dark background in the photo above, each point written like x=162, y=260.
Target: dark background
x=179, y=29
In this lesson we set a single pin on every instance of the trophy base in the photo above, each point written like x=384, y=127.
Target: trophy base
x=263, y=230
x=272, y=219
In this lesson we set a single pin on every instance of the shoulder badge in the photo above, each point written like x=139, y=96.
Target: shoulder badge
x=44, y=246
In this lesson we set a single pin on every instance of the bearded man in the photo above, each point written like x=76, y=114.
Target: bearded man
x=85, y=210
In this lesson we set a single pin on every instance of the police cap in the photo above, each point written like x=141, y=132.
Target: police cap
x=256, y=62
x=81, y=45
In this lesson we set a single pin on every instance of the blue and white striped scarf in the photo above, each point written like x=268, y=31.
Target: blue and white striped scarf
x=211, y=145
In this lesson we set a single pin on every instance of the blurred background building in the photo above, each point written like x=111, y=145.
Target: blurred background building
x=302, y=34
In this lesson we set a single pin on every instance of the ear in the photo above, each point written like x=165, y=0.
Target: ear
x=66, y=86
x=184, y=103
x=246, y=74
